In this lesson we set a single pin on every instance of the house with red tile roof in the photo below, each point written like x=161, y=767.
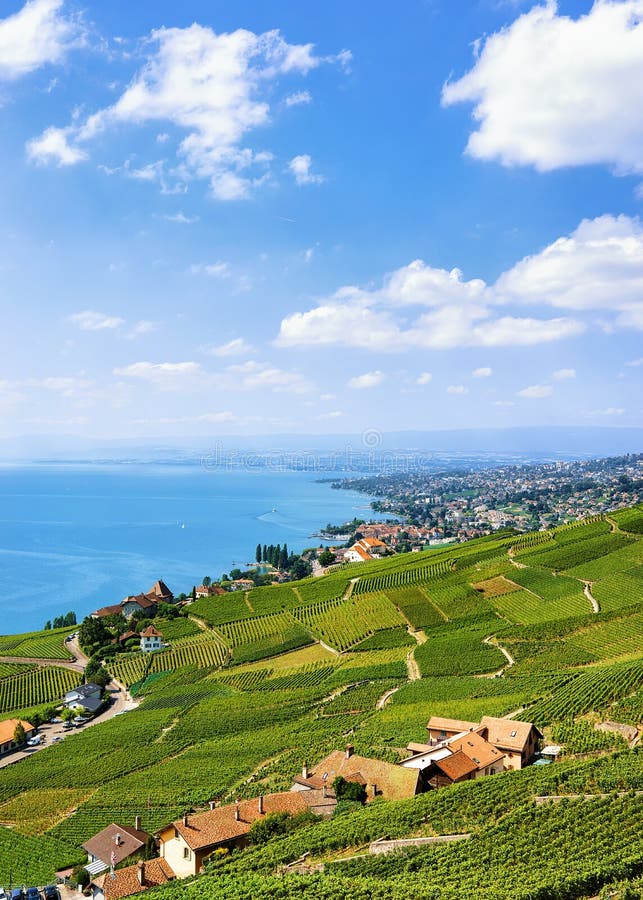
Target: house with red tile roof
x=380, y=779
x=151, y=639
x=158, y=593
x=186, y=843
x=7, y=731
x=132, y=879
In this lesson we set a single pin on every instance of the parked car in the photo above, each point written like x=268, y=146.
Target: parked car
x=33, y=894
x=68, y=725
x=54, y=740
x=55, y=721
x=17, y=894
x=51, y=892
x=80, y=720
x=3, y=894
x=35, y=740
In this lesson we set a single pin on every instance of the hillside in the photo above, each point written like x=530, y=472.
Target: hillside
x=546, y=627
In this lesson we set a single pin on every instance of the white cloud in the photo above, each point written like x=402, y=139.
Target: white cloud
x=53, y=147
x=551, y=91
x=536, y=391
x=482, y=372
x=144, y=326
x=424, y=378
x=635, y=362
x=308, y=254
x=563, y=374
x=235, y=347
x=503, y=403
x=90, y=320
x=334, y=414
x=450, y=312
x=180, y=218
x=300, y=169
x=608, y=411
x=214, y=88
x=298, y=98
x=458, y=389
x=367, y=380
x=37, y=35
x=218, y=269
x=597, y=268
x=166, y=376
x=253, y=375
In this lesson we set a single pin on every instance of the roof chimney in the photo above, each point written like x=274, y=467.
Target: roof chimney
x=261, y=805
x=324, y=790
x=237, y=814
x=185, y=819
x=304, y=770
x=213, y=803
x=373, y=791
x=140, y=873
x=349, y=750
x=137, y=823
x=117, y=840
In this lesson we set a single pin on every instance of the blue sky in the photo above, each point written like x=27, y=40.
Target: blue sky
x=240, y=218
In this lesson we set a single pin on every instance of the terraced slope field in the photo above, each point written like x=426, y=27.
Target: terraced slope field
x=501, y=626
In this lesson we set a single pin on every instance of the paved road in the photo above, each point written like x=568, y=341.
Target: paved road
x=121, y=701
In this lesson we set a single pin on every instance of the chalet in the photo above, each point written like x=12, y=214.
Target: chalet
x=380, y=779
x=158, y=593
x=186, y=843
x=151, y=639
x=365, y=549
x=7, y=731
x=132, y=880
x=203, y=590
x=85, y=697
x=518, y=741
x=114, y=844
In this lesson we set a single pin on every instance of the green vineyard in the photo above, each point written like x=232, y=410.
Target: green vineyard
x=38, y=685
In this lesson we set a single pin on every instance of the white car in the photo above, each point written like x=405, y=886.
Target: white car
x=33, y=742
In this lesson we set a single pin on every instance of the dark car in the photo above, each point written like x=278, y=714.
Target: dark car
x=17, y=894
x=33, y=894
x=51, y=892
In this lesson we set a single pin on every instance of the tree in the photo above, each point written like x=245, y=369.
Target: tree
x=349, y=790
x=207, y=581
x=264, y=553
x=301, y=568
x=69, y=619
x=68, y=714
x=48, y=625
x=283, y=558
x=193, y=592
x=95, y=673
x=258, y=553
x=19, y=735
x=326, y=558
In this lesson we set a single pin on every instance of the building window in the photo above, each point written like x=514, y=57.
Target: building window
x=186, y=853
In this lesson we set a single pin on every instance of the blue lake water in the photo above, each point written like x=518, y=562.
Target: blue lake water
x=80, y=537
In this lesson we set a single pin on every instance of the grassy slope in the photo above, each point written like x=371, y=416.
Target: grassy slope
x=216, y=727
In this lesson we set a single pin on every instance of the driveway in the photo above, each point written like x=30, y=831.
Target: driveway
x=121, y=701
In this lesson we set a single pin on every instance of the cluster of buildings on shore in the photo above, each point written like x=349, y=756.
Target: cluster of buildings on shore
x=468, y=504
x=456, y=751
x=135, y=603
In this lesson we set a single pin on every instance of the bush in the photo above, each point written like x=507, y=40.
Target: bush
x=349, y=790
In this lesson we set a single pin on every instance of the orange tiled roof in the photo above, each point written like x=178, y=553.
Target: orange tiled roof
x=137, y=878
x=151, y=631
x=438, y=723
x=481, y=752
x=458, y=765
x=8, y=727
x=220, y=825
x=393, y=782
x=506, y=732
x=103, y=844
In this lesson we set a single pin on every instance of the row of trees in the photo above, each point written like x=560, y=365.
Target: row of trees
x=61, y=621
x=275, y=555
